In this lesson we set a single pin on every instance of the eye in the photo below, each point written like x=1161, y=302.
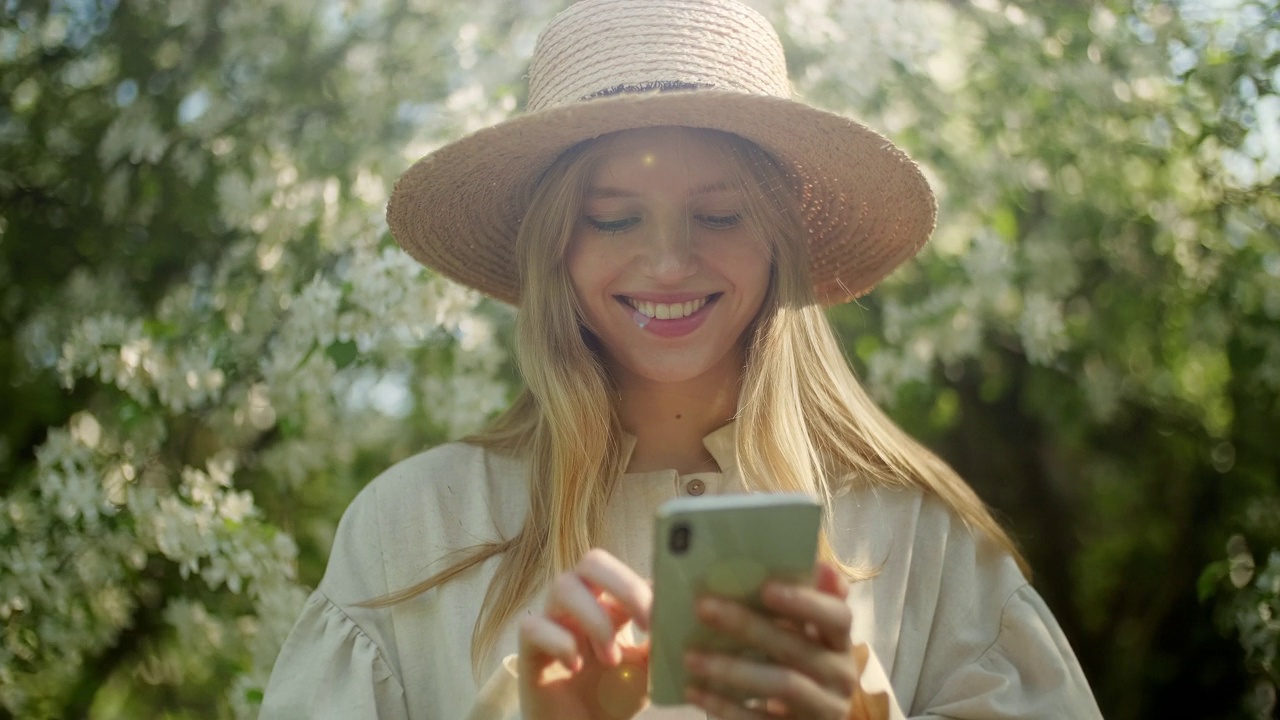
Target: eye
x=611, y=227
x=720, y=222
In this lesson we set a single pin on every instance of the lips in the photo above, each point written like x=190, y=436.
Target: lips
x=669, y=316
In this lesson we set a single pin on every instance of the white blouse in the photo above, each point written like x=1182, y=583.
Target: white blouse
x=954, y=629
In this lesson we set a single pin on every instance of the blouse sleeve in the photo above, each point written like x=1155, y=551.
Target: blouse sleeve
x=952, y=620
x=329, y=668
x=499, y=697
x=1029, y=671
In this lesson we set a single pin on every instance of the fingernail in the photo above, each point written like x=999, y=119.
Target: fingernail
x=710, y=608
x=776, y=592
x=694, y=661
x=605, y=653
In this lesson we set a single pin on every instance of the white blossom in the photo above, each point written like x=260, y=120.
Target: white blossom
x=235, y=197
x=133, y=136
x=1042, y=328
x=461, y=402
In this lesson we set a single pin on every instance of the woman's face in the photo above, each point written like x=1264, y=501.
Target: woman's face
x=667, y=273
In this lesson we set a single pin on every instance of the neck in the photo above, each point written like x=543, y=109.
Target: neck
x=669, y=420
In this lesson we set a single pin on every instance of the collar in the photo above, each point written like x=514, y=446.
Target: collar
x=722, y=443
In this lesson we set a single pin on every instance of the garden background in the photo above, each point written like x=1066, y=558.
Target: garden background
x=209, y=342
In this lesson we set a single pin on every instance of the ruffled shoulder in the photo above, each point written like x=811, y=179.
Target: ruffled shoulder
x=329, y=668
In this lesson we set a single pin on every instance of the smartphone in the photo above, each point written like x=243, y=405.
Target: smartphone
x=724, y=545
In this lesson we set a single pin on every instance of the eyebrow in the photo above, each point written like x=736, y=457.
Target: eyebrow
x=605, y=192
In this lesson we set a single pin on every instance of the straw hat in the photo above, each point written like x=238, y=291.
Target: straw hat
x=607, y=65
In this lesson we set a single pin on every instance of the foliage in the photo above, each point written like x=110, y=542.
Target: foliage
x=210, y=342
x=192, y=201
x=1093, y=335
x=1252, y=611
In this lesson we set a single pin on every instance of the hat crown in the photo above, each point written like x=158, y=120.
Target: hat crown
x=605, y=47
x=864, y=206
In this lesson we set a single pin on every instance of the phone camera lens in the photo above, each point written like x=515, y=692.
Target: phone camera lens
x=679, y=541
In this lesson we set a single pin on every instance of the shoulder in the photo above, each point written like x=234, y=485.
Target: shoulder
x=448, y=483
x=928, y=568
x=441, y=467
x=914, y=527
x=448, y=498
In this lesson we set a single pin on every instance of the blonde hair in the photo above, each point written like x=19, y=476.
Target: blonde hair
x=804, y=423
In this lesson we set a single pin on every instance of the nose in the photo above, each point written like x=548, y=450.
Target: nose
x=669, y=257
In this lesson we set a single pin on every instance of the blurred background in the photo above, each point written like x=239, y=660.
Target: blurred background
x=209, y=342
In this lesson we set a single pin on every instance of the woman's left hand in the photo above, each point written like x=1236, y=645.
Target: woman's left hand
x=814, y=668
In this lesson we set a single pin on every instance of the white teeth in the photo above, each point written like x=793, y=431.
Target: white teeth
x=664, y=311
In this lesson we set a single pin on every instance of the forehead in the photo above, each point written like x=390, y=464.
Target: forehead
x=663, y=156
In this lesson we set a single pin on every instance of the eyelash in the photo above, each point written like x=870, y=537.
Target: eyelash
x=713, y=222
x=721, y=222
x=612, y=227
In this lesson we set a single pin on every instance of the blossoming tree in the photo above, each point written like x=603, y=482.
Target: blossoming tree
x=210, y=342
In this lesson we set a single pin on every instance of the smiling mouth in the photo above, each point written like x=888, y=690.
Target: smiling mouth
x=667, y=311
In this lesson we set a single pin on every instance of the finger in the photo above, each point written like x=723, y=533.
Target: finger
x=619, y=616
x=831, y=580
x=608, y=574
x=726, y=675
x=584, y=600
x=636, y=655
x=784, y=647
x=724, y=708
x=571, y=603
x=618, y=613
x=810, y=606
x=542, y=642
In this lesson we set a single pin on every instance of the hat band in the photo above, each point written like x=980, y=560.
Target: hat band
x=655, y=86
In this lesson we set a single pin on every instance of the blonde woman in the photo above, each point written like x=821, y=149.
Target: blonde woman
x=670, y=225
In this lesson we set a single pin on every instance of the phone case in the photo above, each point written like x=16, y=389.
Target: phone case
x=726, y=545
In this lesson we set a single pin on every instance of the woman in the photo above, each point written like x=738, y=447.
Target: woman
x=669, y=224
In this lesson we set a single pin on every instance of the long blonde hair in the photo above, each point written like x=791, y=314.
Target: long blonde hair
x=804, y=423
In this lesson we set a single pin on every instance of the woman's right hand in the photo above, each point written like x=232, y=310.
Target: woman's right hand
x=573, y=664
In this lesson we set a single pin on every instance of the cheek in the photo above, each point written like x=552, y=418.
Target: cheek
x=752, y=267
x=590, y=274
x=578, y=263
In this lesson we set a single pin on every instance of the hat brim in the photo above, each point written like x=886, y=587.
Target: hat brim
x=865, y=204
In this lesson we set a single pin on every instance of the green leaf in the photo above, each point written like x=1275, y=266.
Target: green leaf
x=342, y=353
x=1005, y=223
x=1210, y=578
x=159, y=329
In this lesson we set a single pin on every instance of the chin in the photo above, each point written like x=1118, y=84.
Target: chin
x=672, y=377
x=675, y=372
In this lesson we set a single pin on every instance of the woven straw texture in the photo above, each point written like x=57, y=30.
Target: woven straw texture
x=607, y=65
